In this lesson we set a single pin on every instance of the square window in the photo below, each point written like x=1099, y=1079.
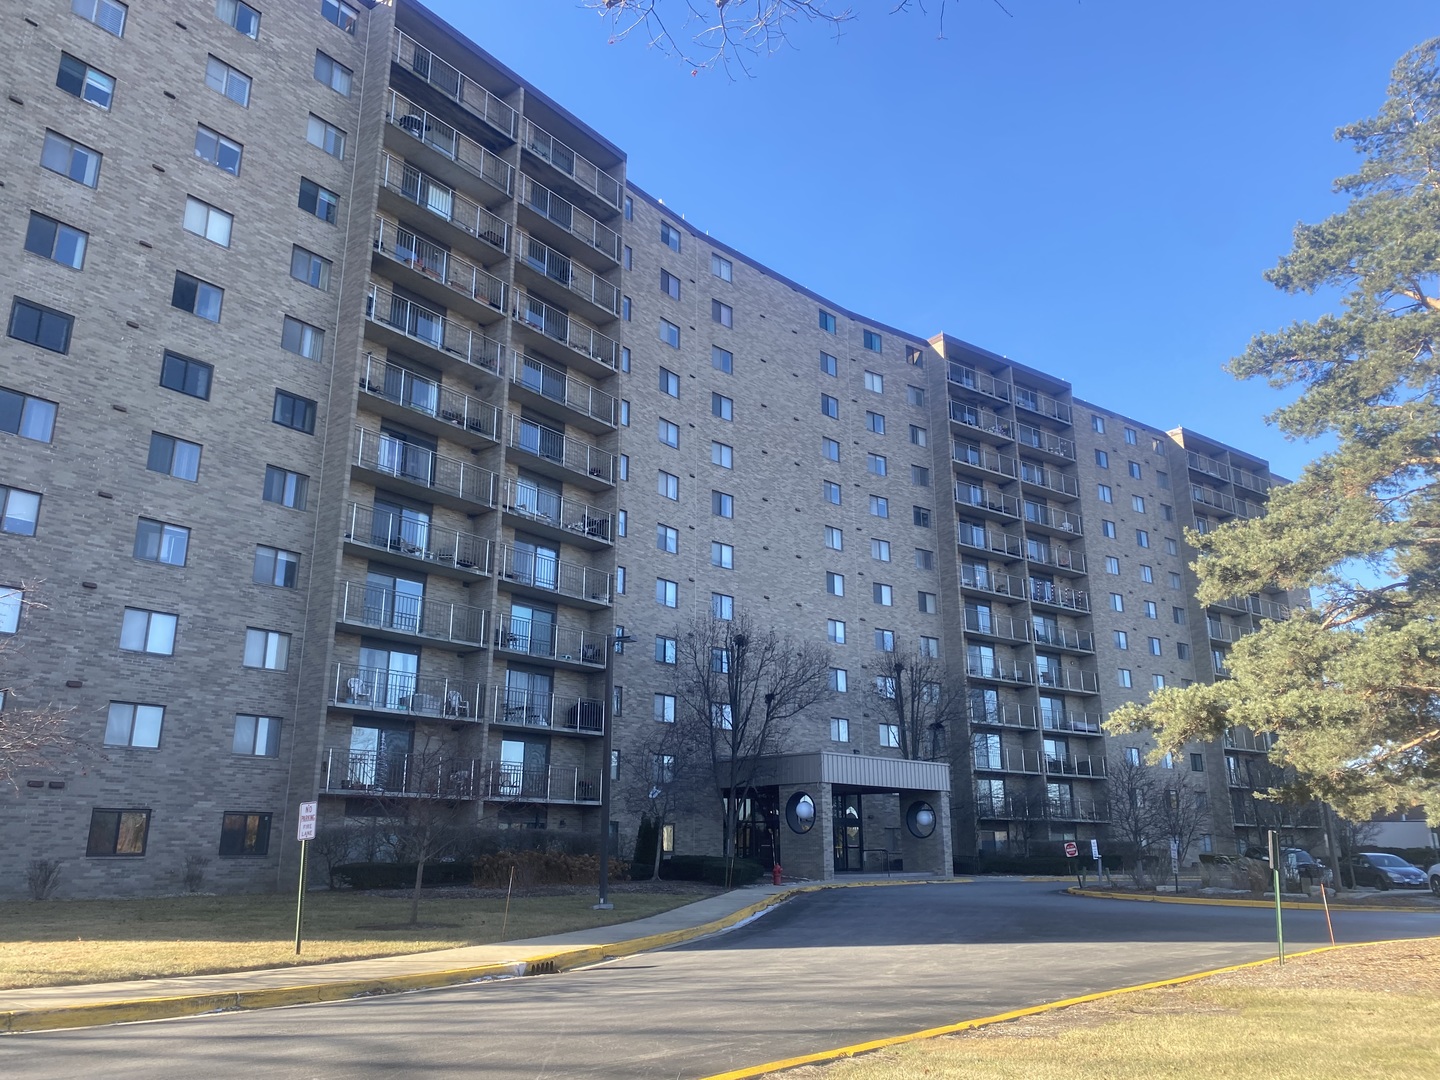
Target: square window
x=275, y=566
x=722, y=505
x=830, y=492
x=924, y=559
x=109, y=15
x=919, y=476
x=224, y=79
x=920, y=515
x=723, y=314
x=834, y=538
x=1142, y=538
x=828, y=364
x=839, y=729
x=915, y=395
x=118, y=833
x=56, y=241
x=890, y=736
x=186, y=376
x=667, y=539
x=322, y=202
x=129, y=724
x=666, y=649
x=670, y=236
x=1102, y=459
x=320, y=132
x=722, y=406
x=1124, y=677
x=175, y=457
x=667, y=593
x=1112, y=564
x=341, y=14
x=1104, y=493
x=267, y=649
x=159, y=542
x=670, y=333
x=240, y=15
x=1107, y=528
x=722, y=359
x=929, y=603
x=871, y=340
x=256, y=736
x=876, y=465
x=223, y=153
x=197, y=297
x=722, y=606
x=835, y=631
x=669, y=284
x=668, y=485
x=930, y=646
x=333, y=74
x=722, y=454
x=310, y=268
x=148, y=631
x=919, y=436
x=668, y=432
x=85, y=82
x=294, y=412
x=19, y=511
x=26, y=416
x=302, y=339
x=720, y=267
x=41, y=326
x=669, y=383
x=885, y=640
x=874, y=382
x=827, y=322
x=879, y=550
x=879, y=506
x=244, y=835
x=875, y=423
x=71, y=159
x=834, y=583
x=722, y=555
x=664, y=708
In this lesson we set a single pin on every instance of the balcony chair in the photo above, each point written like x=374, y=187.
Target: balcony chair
x=455, y=705
x=357, y=690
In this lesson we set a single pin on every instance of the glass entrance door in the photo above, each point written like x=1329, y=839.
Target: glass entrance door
x=849, y=841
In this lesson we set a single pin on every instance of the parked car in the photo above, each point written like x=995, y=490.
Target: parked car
x=1386, y=871
x=1300, y=865
x=1435, y=879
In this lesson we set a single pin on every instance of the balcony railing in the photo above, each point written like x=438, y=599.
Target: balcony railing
x=560, y=268
x=560, y=326
x=556, y=385
x=1242, y=738
x=444, y=139
x=1009, y=759
x=1266, y=609
x=418, y=465
x=394, y=775
x=434, y=262
x=981, y=419
x=987, y=499
x=566, y=161
x=571, y=454
x=995, y=581
x=455, y=84
x=1001, y=670
x=569, y=217
x=1221, y=631
x=537, y=638
x=513, y=782
x=1043, y=440
x=979, y=381
x=402, y=387
x=1246, y=479
x=1077, y=723
x=1044, y=404
x=1038, y=476
x=1062, y=558
x=990, y=540
x=416, y=538
x=1077, y=810
x=546, y=508
x=1063, y=637
x=1208, y=466
x=1006, y=714
x=379, y=690
x=443, y=201
x=526, y=566
x=979, y=457
x=379, y=608
x=553, y=712
x=1226, y=503
x=430, y=328
x=1053, y=518
x=1075, y=766
x=1045, y=592
x=1003, y=626
x=1068, y=678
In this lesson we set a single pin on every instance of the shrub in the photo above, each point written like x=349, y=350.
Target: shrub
x=711, y=869
x=193, y=876
x=645, y=840
x=541, y=868
x=41, y=877
x=1037, y=865
x=395, y=875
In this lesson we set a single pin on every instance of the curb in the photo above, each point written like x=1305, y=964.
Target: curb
x=1207, y=901
x=16, y=1021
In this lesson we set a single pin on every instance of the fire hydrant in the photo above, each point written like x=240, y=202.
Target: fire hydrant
x=775, y=873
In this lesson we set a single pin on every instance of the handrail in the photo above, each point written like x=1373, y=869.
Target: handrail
x=387, y=609
x=567, y=162
x=549, y=444
x=378, y=689
x=419, y=465
x=459, y=275
x=544, y=571
x=388, y=531
x=565, y=328
x=568, y=216
x=447, y=141
x=403, y=387
x=430, y=328
x=555, y=384
x=560, y=268
x=455, y=84
x=443, y=201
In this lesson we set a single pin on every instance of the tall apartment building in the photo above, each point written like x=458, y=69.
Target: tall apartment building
x=352, y=396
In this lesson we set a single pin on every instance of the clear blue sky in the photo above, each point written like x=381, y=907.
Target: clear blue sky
x=1089, y=188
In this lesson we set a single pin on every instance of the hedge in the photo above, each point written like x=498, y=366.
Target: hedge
x=707, y=868
x=1037, y=865
x=488, y=871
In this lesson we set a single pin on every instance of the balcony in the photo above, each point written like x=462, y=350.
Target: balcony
x=526, y=571
x=1064, y=559
x=1053, y=519
x=548, y=712
x=1074, y=723
x=1077, y=810
x=987, y=500
x=449, y=143
x=1209, y=466
x=1069, y=679
x=534, y=314
x=569, y=219
x=1257, y=605
x=450, y=340
x=379, y=691
x=1242, y=738
x=399, y=616
x=1036, y=439
x=382, y=774
x=554, y=515
x=978, y=381
x=998, y=669
x=460, y=554
x=1010, y=759
x=979, y=457
x=1046, y=592
x=537, y=639
x=557, y=454
x=1246, y=479
x=454, y=84
x=434, y=476
x=534, y=382
x=1223, y=631
x=434, y=264
x=1042, y=405
x=996, y=582
x=506, y=781
x=989, y=624
x=1227, y=504
x=993, y=540
x=1064, y=637
x=583, y=173
x=437, y=408
x=558, y=268
x=1038, y=476
x=1074, y=766
x=1006, y=714
x=979, y=419
x=415, y=187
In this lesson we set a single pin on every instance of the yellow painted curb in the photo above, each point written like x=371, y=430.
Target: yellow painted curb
x=1215, y=901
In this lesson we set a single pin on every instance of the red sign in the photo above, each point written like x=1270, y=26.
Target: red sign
x=1072, y=849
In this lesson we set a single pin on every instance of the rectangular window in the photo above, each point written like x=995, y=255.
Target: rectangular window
x=667, y=593
x=722, y=359
x=11, y=602
x=1122, y=640
x=880, y=550
x=26, y=416
x=244, y=835
x=310, y=268
x=874, y=382
x=1155, y=647
x=1197, y=762
x=85, y=82
x=157, y=541
x=668, y=432
x=1124, y=677
x=1147, y=574
x=920, y=515
x=1182, y=650
x=620, y=576
x=1132, y=437
x=876, y=465
x=722, y=555
x=669, y=383
x=294, y=412
x=56, y=241
x=1174, y=580
x=176, y=457
x=839, y=729
x=275, y=566
x=919, y=476
x=240, y=15
x=834, y=538
x=333, y=74
x=827, y=322
x=667, y=485
x=1107, y=528
x=665, y=708
x=224, y=79
x=285, y=488
x=879, y=506
x=223, y=153
x=1172, y=546
x=1151, y=612
x=722, y=504
x=670, y=333
x=834, y=583
x=109, y=15
x=669, y=236
x=1142, y=538
x=929, y=603
x=1117, y=602
x=41, y=326
x=129, y=724
x=186, y=376
x=1112, y=564
x=835, y=631
x=828, y=364
x=666, y=649
x=722, y=406
x=197, y=297
x=622, y=519
x=875, y=423
x=839, y=680
x=1137, y=503
x=1132, y=755
x=1097, y=424
x=667, y=538
x=341, y=14
x=627, y=257
x=326, y=136
x=924, y=559
x=208, y=221
x=267, y=649
x=919, y=436
x=148, y=631
x=120, y=833
x=256, y=736
x=669, y=284
x=889, y=734
x=930, y=647
x=885, y=640
x=722, y=606
x=723, y=314
x=1102, y=459
x=625, y=359
x=1178, y=615
x=321, y=202
x=71, y=159
x=830, y=406
x=19, y=511
x=829, y=449
x=1135, y=470
x=1105, y=494
x=722, y=454
x=915, y=395
x=720, y=268
x=1167, y=513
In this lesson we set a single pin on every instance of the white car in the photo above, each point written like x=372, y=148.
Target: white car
x=1434, y=873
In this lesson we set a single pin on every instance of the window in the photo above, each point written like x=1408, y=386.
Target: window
x=919, y=476
x=19, y=511
x=173, y=456
x=665, y=708
x=722, y=606
x=256, y=736
x=722, y=359
x=1197, y=762
x=321, y=202
x=1142, y=538
x=110, y=17
x=830, y=492
x=1107, y=528
x=56, y=241
x=669, y=236
x=620, y=578
x=880, y=550
x=879, y=506
x=919, y=436
x=115, y=832
x=930, y=646
x=722, y=555
x=1162, y=478
x=310, y=268
x=333, y=74
x=722, y=504
x=1147, y=573
x=1135, y=470
x=26, y=416
x=294, y=412
x=839, y=729
x=1132, y=755
x=839, y=680
x=223, y=153
x=668, y=485
x=669, y=284
x=722, y=406
x=1150, y=610
x=875, y=423
x=71, y=159
x=1132, y=437
x=85, y=82
x=148, y=631
x=129, y=724
x=668, y=432
x=197, y=297
x=827, y=322
x=920, y=515
x=829, y=449
x=914, y=356
x=929, y=603
x=720, y=268
x=924, y=559
x=874, y=382
x=1117, y=602
x=326, y=136
x=1155, y=647
x=629, y=208
x=1122, y=640
x=627, y=257
x=1172, y=546
x=722, y=454
x=224, y=79
x=341, y=14
x=834, y=583
x=244, y=835
x=1167, y=761
x=11, y=601
x=1137, y=503
x=667, y=593
x=1102, y=459
x=876, y=464
x=1104, y=493
x=830, y=406
x=670, y=333
x=1097, y=425
x=41, y=326
x=240, y=15
x=723, y=314
x=1174, y=580
x=915, y=395
x=871, y=340
x=1124, y=677
x=828, y=364
x=622, y=521
x=667, y=538
x=208, y=221
x=835, y=631
x=1167, y=513
x=157, y=541
x=889, y=733
x=186, y=376
x=1178, y=615
x=1182, y=650
x=625, y=358
x=666, y=649
x=884, y=640
x=267, y=649
x=1112, y=564
x=275, y=566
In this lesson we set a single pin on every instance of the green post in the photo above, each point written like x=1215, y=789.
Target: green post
x=300, y=894
x=1279, y=925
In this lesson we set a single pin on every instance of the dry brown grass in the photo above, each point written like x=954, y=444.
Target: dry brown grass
x=1370, y=1011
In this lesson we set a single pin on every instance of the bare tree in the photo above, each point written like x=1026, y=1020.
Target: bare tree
x=671, y=772
x=1184, y=815
x=32, y=735
x=738, y=690
x=1135, y=811
x=916, y=694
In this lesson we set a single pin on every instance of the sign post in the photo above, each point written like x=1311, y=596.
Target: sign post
x=1072, y=852
x=1095, y=854
x=1175, y=862
x=1275, y=852
x=304, y=832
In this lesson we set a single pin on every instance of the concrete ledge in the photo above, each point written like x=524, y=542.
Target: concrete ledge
x=1217, y=901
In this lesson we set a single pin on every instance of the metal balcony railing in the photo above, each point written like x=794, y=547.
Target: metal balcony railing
x=1005, y=714
x=1068, y=678
x=1039, y=476
x=979, y=381
x=1242, y=738
x=1077, y=810
x=1009, y=759
x=973, y=536
x=987, y=499
x=1043, y=440
x=446, y=140
x=995, y=625
x=455, y=84
x=979, y=418
x=526, y=566
x=994, y=581
x=560, y=268
x=538, y=638
x=403, y=387
x=979, y=457
x=1053, y=517
x=567, y=162
x=1046, y=592
x=1064, y=637
x=571, y=454
x=1226, y=503
x=558, y=386
x=1062, y=558
x=385, y=530
x=514, y=782
x=453, y=339
x=1075, y=766
x=418, y=465
x=1043, y=404
x=1077, y=723
x=443, y=201
x=558, y=512
x=434, y=262
x=565, y=328
x=1221, y=631
x=396, y=775
x=374, y=606
x=554, y=712
x=1000, y=669
x=1247, y=479
x=569, y=217
x=1208, y=466
x=1266, y=609
x=379, y=690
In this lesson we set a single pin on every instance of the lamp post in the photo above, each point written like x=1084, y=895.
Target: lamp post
x=612, y=639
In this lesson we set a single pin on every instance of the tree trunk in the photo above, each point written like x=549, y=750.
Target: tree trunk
x=415, y=896
x=659, y=843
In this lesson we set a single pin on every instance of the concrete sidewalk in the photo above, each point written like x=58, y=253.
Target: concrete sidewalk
x=49, y=1007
